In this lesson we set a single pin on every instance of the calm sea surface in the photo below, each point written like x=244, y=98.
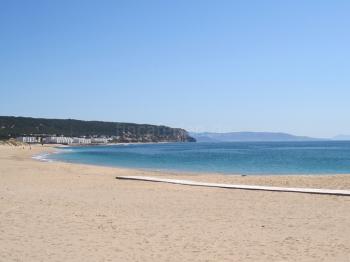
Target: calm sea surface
x=229, y=158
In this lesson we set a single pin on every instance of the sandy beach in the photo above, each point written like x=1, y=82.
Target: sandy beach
x=69, y=212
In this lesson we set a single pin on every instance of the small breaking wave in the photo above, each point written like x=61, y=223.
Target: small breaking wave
x=45, y=157
x=42, y=157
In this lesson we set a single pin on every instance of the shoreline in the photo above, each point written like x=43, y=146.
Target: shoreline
x=189, y=174
x=54, y=211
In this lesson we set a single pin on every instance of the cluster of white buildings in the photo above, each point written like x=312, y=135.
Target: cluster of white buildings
x=58, y=140
x=100, y=140
x=28, y=139
x=63, y=140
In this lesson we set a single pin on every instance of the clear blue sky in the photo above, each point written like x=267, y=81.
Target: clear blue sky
x=201, y=65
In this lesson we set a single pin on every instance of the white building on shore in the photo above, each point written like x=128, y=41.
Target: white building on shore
x=81, y=140
x=28, y=139
x=58, y=140
x=99, y=140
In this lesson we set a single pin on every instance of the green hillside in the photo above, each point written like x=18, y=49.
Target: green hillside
x=121, y=132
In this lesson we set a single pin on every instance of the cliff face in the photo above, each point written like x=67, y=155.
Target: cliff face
x=118, y=132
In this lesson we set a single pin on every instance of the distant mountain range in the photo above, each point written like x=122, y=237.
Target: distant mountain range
x=249, y=137
x=342, y=137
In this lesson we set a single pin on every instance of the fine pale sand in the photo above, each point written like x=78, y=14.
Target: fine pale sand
x=68, y=212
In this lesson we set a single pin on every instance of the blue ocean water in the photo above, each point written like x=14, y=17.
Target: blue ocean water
x=317, y=157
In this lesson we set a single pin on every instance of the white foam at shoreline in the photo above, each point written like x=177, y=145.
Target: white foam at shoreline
x=42, y=157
